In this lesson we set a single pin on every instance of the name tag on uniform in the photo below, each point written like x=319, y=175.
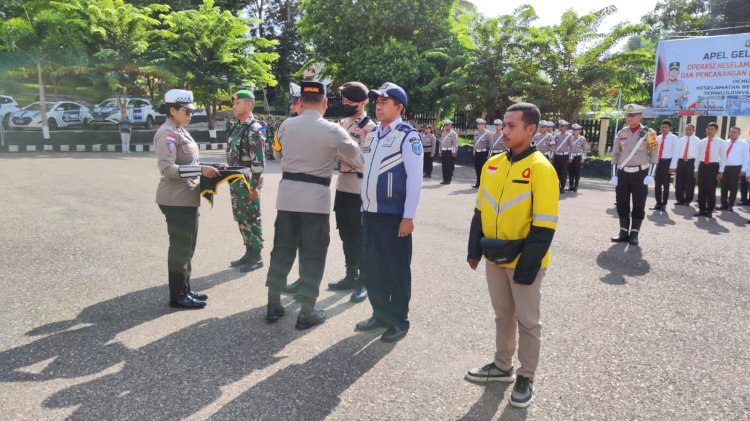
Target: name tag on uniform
x=389, y=141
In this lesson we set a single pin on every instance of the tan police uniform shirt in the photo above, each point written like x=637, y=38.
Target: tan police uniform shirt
x=561, y=143
x=174, y=148
x=429, y=144
x=349, y=180
x=579, y=146
x=449, y=141
x=647, y=152
x=312, y=145
x=497, y=146
x=482, y=140
x=542, y=143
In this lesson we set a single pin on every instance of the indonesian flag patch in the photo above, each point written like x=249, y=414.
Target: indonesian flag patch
x=491, y=169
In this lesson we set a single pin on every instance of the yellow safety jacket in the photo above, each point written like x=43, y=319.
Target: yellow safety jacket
x=518, y=199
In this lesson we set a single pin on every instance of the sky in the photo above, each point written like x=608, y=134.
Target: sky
x=549, y=11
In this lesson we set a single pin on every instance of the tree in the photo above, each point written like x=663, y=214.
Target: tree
x=212, y=51
x=45, y=39
x=577, y=61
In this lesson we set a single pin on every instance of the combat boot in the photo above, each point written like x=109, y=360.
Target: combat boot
x=253, y=262
x=624, y=229
x=633, y=239
x=350, y=281
x=244, y=259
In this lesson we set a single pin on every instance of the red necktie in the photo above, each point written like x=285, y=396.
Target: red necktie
x=661, y=147
x=730, y=149
x=707, y=159
x=687, y=145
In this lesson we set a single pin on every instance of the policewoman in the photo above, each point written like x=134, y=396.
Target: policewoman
x=514, y=221
x=178, y=194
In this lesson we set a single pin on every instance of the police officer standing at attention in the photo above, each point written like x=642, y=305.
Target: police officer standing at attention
x=482, y=138
x=246, y=148
x=514, y=221
x=542, y=142
x=348, y=204
x=667, y=150
x=309, y=145
x=561, y=146
x=578, y=148
x=683, y=163
x=634, y=158
x=178, y=194
x=448, y=151
x=429, y=145
x=390, y=194
x=497, y=146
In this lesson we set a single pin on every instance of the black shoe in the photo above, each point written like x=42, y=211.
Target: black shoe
x=679, y=204
x=744, y=202
x=198, y=295
x=359, y=295
x=345, y=284
x=523, y=392
x=570, y=189
x=251, y=266
x=242, y=260
x=697, y=214
x=621, y=238
x=187, y=302
x=393, y=334
x=729, y=209
x=633, y=238
x=709, y=215
x=443, y=182
x=369, y=324
x=476, y=186
x=721, y=208
x=308, y=320
x=655, y=207
x=292, y=288
x=562, y=191
x=274, y=312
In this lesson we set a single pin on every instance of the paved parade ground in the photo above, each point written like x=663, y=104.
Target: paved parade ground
x=656, y=332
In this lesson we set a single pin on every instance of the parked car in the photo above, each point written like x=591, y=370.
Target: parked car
x=140, y=112
x=8, y=106
x=59, y=114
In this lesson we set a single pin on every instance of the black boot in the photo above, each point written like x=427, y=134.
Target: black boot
x=350, y=281
x=308, y=316
x=624, y=228
x=292, y=288
x=253, y=262
x=633, y=239
x=244, y=259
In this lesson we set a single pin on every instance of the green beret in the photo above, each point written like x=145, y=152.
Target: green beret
x=244, y=94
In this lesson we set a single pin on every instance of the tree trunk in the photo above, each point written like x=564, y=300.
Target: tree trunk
x=42, y=101
x=211, y=117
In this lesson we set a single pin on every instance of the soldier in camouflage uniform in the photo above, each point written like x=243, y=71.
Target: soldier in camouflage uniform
x=246, y=148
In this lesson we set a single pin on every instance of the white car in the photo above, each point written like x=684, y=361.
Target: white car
x=139, y=110
x=59, y=114
x=8, y=106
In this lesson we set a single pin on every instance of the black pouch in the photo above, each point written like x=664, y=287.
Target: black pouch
x=501, y=251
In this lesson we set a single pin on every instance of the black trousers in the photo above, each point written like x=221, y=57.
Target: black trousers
x=574, y=171
x=479, y=159
x=684, y=181
x=386, y=268
x=348, y=209
x=449, y=163
x=427, y=164
x=310, y=234
x=662, y=179
x=730, y=182
x=182, y=226
x=744, y=187
x=707, y=186
x=560, y=162
x=630, y=185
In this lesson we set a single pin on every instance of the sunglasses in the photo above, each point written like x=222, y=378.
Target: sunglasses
x=188, y=111
x=633, y=114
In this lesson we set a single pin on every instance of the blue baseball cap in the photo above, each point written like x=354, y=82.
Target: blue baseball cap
x=389, y=90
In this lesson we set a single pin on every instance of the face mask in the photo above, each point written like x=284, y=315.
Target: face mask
x=349, y=110
x=293, y=114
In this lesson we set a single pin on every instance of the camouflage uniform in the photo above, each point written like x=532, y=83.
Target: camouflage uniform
x=246, y=148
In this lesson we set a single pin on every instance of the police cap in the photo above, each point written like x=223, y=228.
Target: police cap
x=354, y=91
x=309, y=87
x=675, y=65
x=180, y=96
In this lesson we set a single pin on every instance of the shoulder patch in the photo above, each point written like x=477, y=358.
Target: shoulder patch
x=416, y=147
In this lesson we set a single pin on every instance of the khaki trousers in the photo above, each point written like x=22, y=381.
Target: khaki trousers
x=515, y=305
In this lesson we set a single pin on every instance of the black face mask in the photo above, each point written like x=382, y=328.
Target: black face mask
x=349, y=110
x=293, y=114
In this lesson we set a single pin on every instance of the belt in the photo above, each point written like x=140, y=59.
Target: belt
x=577, y=154
x=635, y=168
x=688, y=159
x=562, y=154
x=446, y=149
x=306, y=178
x=480, y=150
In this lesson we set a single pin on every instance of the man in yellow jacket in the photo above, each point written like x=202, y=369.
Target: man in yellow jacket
x=514, y=221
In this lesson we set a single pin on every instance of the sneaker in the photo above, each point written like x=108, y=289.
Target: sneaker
x=523, y=392
x=490, y=373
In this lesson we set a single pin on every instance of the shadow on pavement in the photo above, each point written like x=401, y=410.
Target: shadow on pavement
x=487, y=405
x=660, y=218
x=710, y=225
x=734, y=218
x=622, y=260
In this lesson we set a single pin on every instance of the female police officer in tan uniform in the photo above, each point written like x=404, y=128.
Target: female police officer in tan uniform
x=178, y=194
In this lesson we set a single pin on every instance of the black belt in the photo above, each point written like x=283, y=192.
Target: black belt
x=306, y=178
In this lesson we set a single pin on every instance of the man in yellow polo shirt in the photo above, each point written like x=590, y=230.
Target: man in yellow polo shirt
x=514, y=221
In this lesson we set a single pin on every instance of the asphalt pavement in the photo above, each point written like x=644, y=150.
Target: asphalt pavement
x=658, y=331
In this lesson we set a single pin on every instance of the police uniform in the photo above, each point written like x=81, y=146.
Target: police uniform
x=481, y=148
x=429, y=146
x=497, y=146
x=390, y=193
x=309, y=145
x=671, y=94
x=578, y=150
x=448, y=151
x=246, y=148
x=561, y=152
x=634, y=158
x=348, y=204
x=662, y=177
x=542, y=140
x=178, y=197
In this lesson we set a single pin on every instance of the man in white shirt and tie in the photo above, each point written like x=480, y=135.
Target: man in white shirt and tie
x=709, y=169
x=683, y=165
x=736, y=156
x=667, y=150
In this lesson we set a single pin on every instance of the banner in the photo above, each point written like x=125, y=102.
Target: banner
x=703, y=76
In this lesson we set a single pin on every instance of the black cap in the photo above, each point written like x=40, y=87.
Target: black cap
x=354, y=91
x=312, y=88
x=675, y=65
